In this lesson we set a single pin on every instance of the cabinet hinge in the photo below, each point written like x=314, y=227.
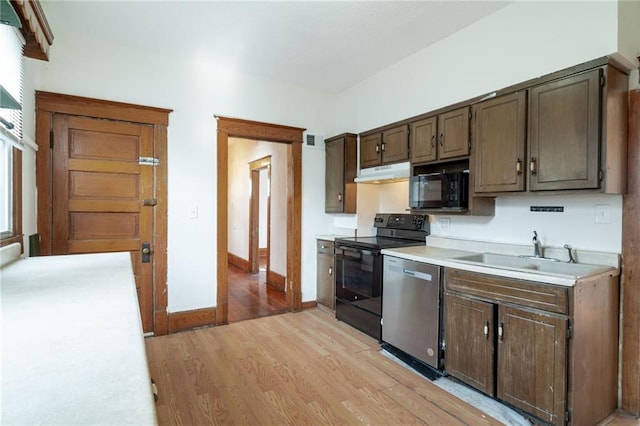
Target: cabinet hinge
x=603, y=80
x=600, y=175
x=51, y=139
x=567, y=417
x=569, y=330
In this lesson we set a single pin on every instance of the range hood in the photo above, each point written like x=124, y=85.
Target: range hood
x=385, y=174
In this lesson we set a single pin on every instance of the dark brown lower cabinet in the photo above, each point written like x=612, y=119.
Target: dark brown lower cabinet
x=325, y=280
x=549, y=350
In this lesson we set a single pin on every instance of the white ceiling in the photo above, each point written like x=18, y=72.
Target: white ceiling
x=324, y=45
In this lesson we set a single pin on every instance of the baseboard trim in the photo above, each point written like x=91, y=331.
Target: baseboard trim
x=276, y=281
x=238, y=262
x=187, y=320
x=309, y=305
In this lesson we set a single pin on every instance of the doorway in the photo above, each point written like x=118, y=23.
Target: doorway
x=292, y=137
x=260, y=216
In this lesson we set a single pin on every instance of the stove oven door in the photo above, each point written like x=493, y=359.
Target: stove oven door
x=359, y=278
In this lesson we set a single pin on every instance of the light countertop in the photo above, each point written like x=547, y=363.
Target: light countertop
x=72, y=344
x=442, y=254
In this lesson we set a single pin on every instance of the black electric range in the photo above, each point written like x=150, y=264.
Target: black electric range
x=359, y=268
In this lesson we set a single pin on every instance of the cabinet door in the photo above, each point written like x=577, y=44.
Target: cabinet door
x=334, y=175
x=499, y=148
x=565, y=133
x=370, y=153
x=532, y=361
x=453, y=129
x=395, y=145
x=469, y=337
x=423, y=140
x=324, y=276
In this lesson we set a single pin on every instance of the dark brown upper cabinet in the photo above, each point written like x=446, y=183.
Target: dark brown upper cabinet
x=453, y=133
x=385, y=147
x=499, y=152
x=564, y=133
x=340, y=171
x=577, y=132
x=423, y=136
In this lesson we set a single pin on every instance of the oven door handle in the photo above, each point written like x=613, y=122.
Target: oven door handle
x=355, y=253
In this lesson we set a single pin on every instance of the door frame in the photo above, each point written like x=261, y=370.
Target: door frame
x=292, y=136
x=255, y=167
x=48, y=104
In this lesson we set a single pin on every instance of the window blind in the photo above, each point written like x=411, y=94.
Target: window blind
x=11, y=79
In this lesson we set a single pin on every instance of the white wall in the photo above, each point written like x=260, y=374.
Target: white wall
x=521, y=41
x=241, y=153
x=195, y=91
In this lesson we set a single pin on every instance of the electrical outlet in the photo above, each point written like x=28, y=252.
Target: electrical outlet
x=603, y=213
x=444, y=223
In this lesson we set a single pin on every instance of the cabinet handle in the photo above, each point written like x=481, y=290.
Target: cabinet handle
x=441, y=139
x=500, y=331
x=486, y=329
x=330, y=270
x=382, y=146
x=433, y=141
x=533, y=166
x=519, y=167
x=340, y=197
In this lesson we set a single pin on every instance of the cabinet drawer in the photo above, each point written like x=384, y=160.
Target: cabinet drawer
x=489, y=287
x=325, y=247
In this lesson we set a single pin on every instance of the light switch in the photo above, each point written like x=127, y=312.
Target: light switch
x=603, y=213
x=193, y=212
x=444, y=223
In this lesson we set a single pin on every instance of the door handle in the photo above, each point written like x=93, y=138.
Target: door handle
x=330, y=270
x=533, y=166
x=486, y=329
x=501, y=331
x=519, y=167
x=146, y=252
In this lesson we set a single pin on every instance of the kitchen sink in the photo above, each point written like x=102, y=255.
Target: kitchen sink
x=545, y=266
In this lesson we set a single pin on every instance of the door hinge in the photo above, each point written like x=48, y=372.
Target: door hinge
x=51, y=139
x=150, y=202
x=148, y=161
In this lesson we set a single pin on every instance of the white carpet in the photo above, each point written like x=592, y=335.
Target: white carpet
x=483, y=403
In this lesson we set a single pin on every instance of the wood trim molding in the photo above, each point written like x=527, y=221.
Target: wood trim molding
x=275, y=280
x=309, y=305
x=35, y=29
x=232, y=127
x=630, y=276
x=238, y=261
x=187, y=320
x=16, y=232
x=78, y=105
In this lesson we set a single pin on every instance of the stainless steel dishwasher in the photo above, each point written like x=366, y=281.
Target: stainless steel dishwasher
x=411, y=308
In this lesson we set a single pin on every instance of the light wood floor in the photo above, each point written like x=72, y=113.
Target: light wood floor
x=297, y=368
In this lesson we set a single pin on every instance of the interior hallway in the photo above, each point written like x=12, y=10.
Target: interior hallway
x=250, y=296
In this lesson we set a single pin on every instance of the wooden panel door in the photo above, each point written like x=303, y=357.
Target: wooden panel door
x=370, y=153
x=100, y=192
x=395, y=145
x=334, y=176
x=469, y=338
x=532, y=362
x=499, y=149
x=453, y=138
x=423, y=140
x=564, y=126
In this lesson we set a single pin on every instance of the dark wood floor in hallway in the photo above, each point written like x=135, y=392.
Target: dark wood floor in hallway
x=250, y=296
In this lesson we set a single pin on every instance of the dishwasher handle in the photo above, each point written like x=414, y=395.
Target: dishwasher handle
x=417, y=274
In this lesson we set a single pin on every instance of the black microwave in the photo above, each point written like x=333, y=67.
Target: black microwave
x=439, y=190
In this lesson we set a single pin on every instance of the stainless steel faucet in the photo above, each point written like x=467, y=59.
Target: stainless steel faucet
x=537, y=247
